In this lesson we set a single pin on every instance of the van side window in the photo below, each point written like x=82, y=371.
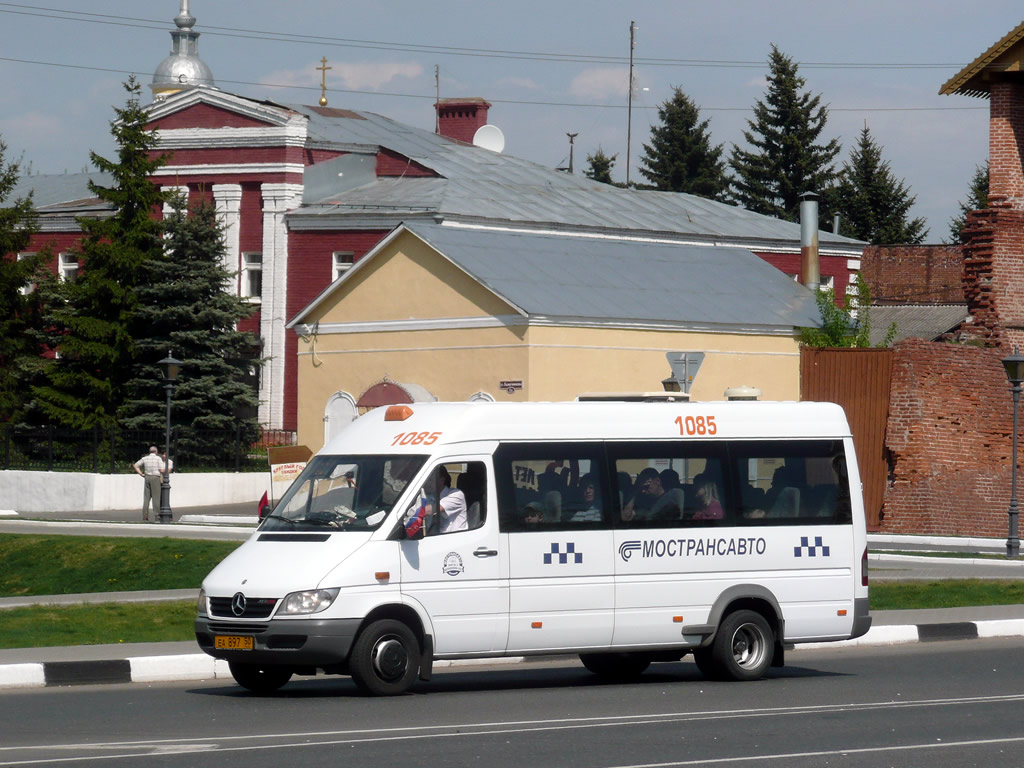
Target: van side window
x=551, y=487
x=455, y=498
x=672, y=486
x=791, y=482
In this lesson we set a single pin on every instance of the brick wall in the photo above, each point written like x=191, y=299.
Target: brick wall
x=994, y=276
x=914, y=274
x=1006, y=142
x=948, y=441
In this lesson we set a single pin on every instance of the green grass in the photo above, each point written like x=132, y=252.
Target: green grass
x=945, y=593
x=63, y=565
x=39, y=626
x=48, y=565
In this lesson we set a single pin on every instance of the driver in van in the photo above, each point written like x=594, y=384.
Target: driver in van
x=452, y=506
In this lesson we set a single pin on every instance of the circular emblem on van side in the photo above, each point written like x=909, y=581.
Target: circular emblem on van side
x=452, y=564
x=238, y=604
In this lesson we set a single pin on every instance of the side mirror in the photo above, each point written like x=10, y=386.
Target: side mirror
x=264, y=511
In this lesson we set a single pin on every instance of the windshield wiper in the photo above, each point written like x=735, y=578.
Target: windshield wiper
x=280, y=517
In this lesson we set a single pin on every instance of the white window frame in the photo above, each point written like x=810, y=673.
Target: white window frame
x=26, y=289
x=251, y=266
x=67, y=267
x=341, y=262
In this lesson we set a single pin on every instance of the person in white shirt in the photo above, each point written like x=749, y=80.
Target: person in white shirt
x=452, y=504
x=150, y=468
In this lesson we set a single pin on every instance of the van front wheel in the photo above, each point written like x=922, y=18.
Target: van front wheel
x=385, y=659
x=259, y=679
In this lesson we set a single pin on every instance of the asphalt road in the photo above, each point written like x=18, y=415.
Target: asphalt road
x=930, y=704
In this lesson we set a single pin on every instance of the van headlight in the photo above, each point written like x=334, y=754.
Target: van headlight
x=311, y=601
x=201, y=603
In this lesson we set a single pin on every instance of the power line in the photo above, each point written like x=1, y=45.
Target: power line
x=321, y=40
x=524, y=102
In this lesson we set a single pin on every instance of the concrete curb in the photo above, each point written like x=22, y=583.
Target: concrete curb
x=199, y=666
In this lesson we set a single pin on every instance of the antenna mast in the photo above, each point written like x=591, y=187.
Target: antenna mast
x=629, y=110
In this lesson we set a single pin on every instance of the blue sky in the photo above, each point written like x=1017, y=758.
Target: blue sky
x=549, y=68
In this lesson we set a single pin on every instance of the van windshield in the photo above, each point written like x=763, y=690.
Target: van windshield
x=343, y=493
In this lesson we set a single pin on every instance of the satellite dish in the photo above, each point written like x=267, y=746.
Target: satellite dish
x=489, y=137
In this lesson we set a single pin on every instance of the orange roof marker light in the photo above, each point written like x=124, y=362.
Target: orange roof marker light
x=397, y=413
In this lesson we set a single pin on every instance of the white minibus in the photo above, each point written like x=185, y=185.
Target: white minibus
x=623, y=532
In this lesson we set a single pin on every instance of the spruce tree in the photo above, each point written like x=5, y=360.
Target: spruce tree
x=186, y=308
x=873, y=204
x=977, y=199
x=785, y=159
x=680, y=156
x=19, y=305
x=600, y=166
x=86, y=384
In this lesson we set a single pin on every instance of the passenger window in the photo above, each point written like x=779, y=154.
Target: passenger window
x=664, y=490
x=793, y=483
x=545, y=488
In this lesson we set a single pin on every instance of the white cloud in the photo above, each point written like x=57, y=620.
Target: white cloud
x=600, y=83
x=355, y=76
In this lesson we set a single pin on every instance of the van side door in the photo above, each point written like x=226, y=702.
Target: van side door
x=554, y=513
x=457, y=570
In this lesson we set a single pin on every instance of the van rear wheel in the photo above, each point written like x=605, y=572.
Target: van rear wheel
x=742, y=648
x=385, y=658
x=259, y=678
x=618, y=666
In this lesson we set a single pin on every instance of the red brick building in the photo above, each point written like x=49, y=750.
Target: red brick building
x=305, y=191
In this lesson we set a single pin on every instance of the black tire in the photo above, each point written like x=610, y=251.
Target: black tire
x=385, y=658
x=706, y=663
x=616, y=666
x=259, y=679
x=743, y=647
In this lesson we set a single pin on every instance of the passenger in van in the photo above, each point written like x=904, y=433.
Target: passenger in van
x=669, y=479
x=589, y=507
x=666, y=505
x=709, y=504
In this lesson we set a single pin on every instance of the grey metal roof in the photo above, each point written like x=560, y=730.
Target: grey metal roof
x=480, y=185
x=61, y=190
x=918, y=321
x=564, y=277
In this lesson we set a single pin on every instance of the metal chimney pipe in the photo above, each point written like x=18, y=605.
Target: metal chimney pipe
x=810, y=267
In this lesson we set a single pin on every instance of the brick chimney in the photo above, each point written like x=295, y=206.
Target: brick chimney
x=1006, y=142
x=459, y=119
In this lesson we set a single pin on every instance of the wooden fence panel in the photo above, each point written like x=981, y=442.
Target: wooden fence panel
x=858, y=380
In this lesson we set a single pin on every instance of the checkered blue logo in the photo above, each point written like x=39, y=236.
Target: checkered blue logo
x=812, y=549
x=563, y=557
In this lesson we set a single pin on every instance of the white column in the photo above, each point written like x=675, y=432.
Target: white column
x=228, y=199
x=168, y=208
x=277, y=200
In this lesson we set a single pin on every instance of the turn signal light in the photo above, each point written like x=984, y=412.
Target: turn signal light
x=841, y=612
x=382, y=575
x=536, y=625
x=397, y=413
x=677, y=619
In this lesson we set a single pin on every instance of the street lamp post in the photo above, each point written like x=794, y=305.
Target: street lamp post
x=170, y=368
x=1014, y=365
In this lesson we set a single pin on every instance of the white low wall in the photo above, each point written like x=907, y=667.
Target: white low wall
x=86, y=492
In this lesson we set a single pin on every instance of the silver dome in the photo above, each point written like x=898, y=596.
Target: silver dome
x=183, y=68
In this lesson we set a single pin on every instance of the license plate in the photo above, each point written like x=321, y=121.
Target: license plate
x=232, y=642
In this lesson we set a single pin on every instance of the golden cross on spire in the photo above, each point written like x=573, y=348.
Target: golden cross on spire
x=322, y=69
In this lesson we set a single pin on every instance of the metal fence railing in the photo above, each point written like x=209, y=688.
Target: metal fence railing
x=113, y=451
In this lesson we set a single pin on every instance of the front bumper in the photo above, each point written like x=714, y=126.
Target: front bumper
x=288, y=642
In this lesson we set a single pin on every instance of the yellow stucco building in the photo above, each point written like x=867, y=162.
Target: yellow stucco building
x=461, y=313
